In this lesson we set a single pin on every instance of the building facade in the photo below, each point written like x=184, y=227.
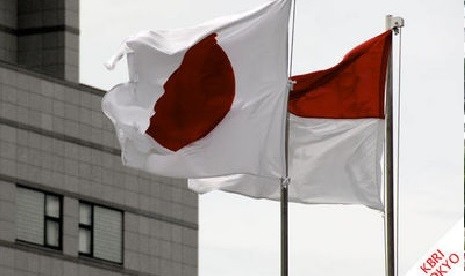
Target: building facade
x=67, y=205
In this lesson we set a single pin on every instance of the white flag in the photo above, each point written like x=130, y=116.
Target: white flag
x=206, y=101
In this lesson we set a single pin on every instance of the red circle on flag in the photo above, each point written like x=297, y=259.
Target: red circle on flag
x=197, y=96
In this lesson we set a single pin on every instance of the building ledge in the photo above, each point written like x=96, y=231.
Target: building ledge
x=24, y=70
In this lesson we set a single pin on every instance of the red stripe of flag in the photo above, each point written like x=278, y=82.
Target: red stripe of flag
x=353, y=89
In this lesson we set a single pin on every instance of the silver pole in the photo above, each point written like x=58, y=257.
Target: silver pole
x=285, y=180
x=389, y=160
x=393, y=23
x=284, y=199
x=284, y=228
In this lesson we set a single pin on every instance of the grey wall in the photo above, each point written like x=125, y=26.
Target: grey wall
x=8, y=25
x=42, y=35
x=53, y=136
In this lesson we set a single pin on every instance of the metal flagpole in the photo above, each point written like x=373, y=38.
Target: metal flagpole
x=284, y=219
x=285, y=181
x=389, y=184
x=393, y=23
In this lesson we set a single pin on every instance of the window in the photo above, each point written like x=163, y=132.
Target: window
x=100, y=232
x=39, y=217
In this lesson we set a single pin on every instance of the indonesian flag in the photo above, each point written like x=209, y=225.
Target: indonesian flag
x=205, y=101
x=336, y=138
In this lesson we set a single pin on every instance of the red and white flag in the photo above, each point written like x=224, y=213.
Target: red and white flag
x=206, y=101
x=336, y=134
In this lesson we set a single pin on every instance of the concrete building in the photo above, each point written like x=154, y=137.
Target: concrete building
x=67, y=206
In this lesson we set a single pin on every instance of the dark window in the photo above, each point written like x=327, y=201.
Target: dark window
x=39, y=217
x=85, y=229
x=100, y=232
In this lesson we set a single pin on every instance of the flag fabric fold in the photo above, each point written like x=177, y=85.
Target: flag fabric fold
x=204, y=101
x=336, y=138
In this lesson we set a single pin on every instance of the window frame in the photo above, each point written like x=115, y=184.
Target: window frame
x=86, y=227
x=91, y=229
x=46, y=218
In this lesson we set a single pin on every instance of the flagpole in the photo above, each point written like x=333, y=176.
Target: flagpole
x=393, y=23
x=285, y=181
x=284, y=227
x=284, y=200
x=389, y=185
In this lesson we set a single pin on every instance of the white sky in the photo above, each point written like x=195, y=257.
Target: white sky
x=240, y=236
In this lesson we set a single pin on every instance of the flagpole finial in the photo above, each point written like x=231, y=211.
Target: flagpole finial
x=394, y=23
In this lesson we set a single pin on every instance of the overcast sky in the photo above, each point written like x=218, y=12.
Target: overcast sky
x=240, y=236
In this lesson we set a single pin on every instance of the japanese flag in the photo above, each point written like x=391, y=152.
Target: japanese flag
x=206, y=101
